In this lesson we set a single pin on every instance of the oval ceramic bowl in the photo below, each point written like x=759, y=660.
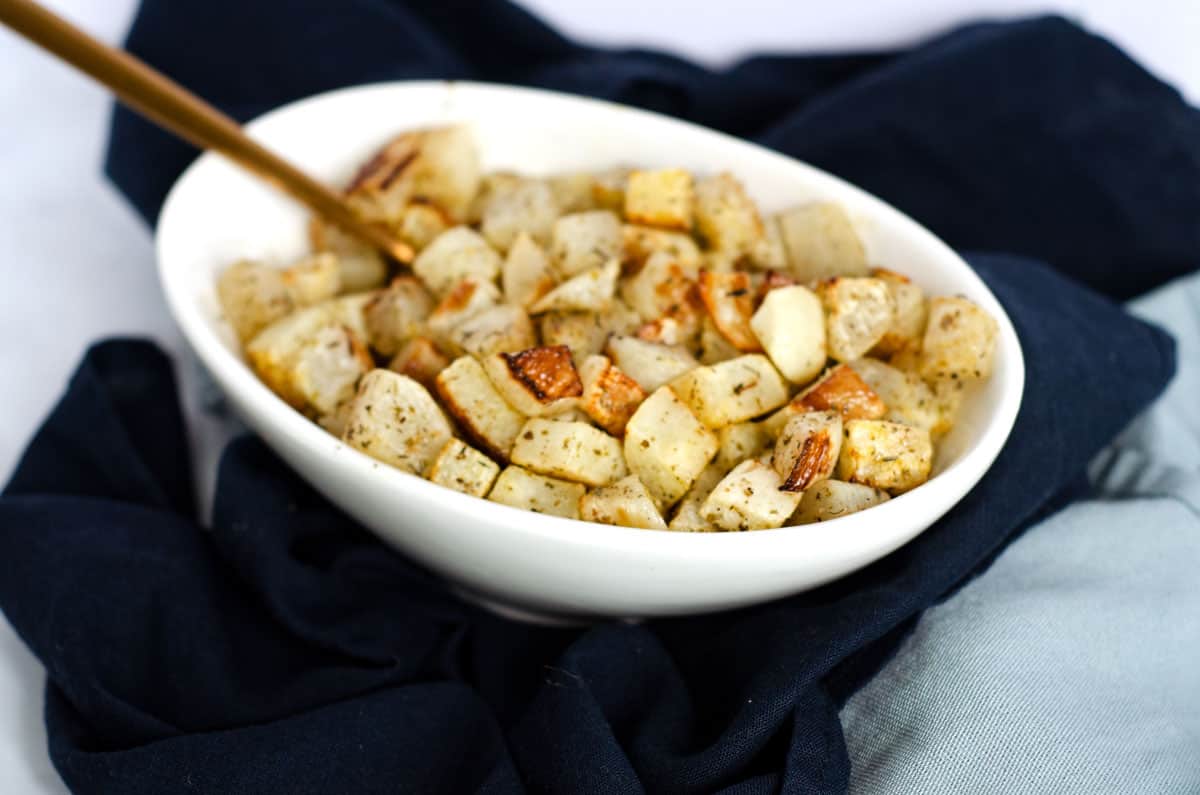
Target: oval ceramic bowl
x=532, y=562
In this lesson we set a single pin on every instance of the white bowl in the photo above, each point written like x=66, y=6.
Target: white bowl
x=216, y=214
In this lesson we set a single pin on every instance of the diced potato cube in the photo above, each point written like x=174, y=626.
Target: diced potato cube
x=821, y=242
x=440, y=165
x=731, y=391
x=608, y=188
x=328, y=367
x=664, y=286
x=454, y=255
x=960, y=340
x=948, y=396
x=360, y=267
x=585, y=241
x=467, y=299
x=490, y=184
x=726, y=217
x=749, y=498
x=687, y=516
x=660, y=198
x=729, y=299
x=395, y=314
x=626, y=503
x=482, y=414
x=421, y=223
x=395, y=420
x=573, y=192
x=885, y=455
x=527, y=275
x=586, y=332
x=529, y=491
x=790, y=323
x=770, y=254
x=334, y=423
x=740, y=441
x=638, y=243
x=499, y=328
x=858, y=312
x=648, y=363
x=350, y=311
x=713, y=345
x=909, y=400
x=463, y=468
x=807, y=449
x=609, y=396
x=421, y=360
x=573, y=414
x=314, y=279
x=912, y=311
x=831, y=499
x=569, y=450
x=666, y=446
x=589, y=291
x=670, y=331
x=842, y=390
x=527, y=208
x=538, y=382
x=252, y=296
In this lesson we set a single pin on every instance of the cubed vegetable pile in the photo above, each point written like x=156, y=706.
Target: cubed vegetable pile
x=634, y=347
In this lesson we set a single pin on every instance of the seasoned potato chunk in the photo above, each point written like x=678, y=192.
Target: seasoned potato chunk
x=252, y=297
x=731, y=391
x=960, y=340
x=609, y=396
x=467, y=299
x=527, y=275
x=738, y=442
x=538, y=382
x=790, y=323
x=608, y=188
x=626, y=503
x=749, y=498
x=660, y=198
x=885, y=455
x=456, y=254
x=421, y=360
x=586, y=332
x=573, y=192
x=668, y=331
x=360, y=267
x=463, y=468
x=912, y=311
x=821, y=242
x=664, y=286
x=313, y=279
x=421, y=223
x=638, y=243
x=666, y=446
x=687, y=516
x=770, y=254
x=569, y=450
x=729, y=299
x=440, y=165
x=528, y=208
x=713, y=345
x=726, y=217
x=585, y=241
x=395, y=420
x=484, y=416
x=858, y=312
x=807, y=449
x=648, y=363
x=327, y=369
x=842, y=390
x=498, y=328
x=830, y=499
x=529, y=491
x=395, y=314
x=589, y=291
x=909, y=400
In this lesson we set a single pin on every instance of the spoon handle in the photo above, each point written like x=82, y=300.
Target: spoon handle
x=172, y=107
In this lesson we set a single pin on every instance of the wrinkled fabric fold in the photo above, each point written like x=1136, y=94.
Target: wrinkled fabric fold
x=285, y=649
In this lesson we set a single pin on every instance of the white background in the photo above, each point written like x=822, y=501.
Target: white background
x=75, y=263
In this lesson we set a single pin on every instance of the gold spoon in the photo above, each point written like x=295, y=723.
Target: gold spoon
x=172, y=107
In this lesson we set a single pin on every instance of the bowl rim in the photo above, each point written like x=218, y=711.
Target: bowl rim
x=232, y=372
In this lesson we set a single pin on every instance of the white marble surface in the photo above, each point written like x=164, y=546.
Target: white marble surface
x=77, y=264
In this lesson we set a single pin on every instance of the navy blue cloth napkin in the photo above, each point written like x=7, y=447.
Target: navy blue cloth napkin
x=286, y=650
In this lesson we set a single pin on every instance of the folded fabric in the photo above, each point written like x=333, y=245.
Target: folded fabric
x=288, y=650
